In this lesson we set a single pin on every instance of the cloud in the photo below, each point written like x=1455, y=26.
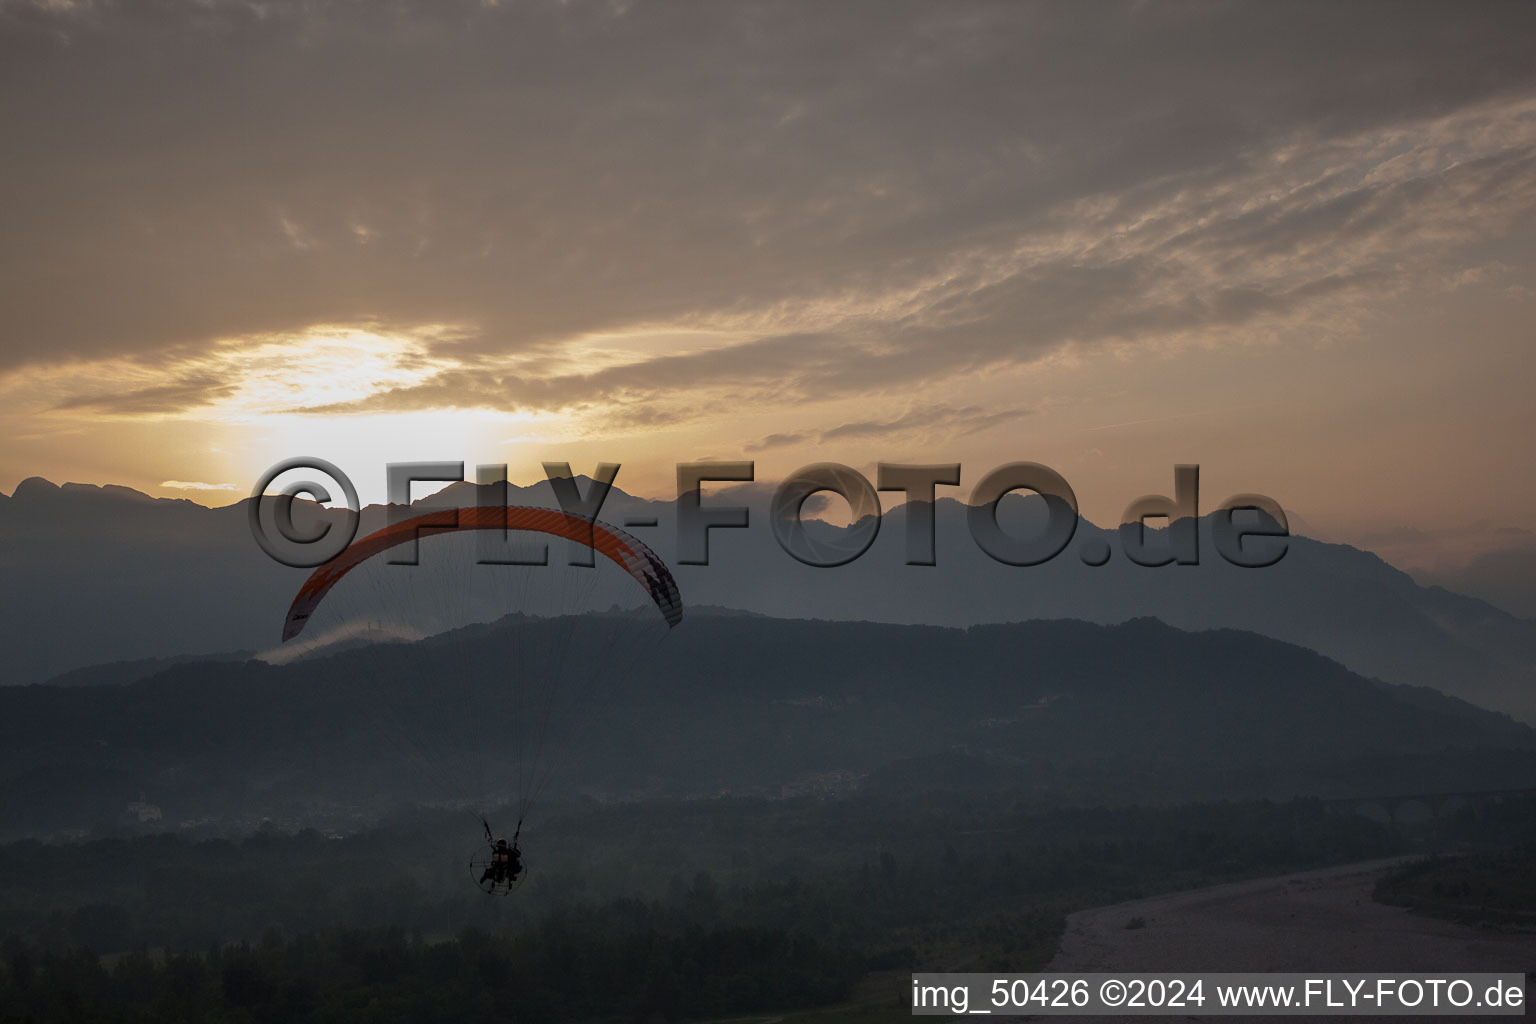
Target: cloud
x=846, y=201
x=189, y=392
x=235, y=380
x=349, y=634
x=192, y=485
x=776, y=441
x=930, y=421
x=933, y=423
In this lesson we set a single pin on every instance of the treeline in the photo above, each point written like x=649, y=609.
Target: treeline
x=622, y=960
x=869, y=873
x=1484, y=887
x=639, y=912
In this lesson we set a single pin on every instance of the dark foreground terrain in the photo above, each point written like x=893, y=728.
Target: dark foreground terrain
x=665, y=910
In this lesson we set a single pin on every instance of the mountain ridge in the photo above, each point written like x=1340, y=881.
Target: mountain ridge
x=149, y=577
x=1065, y=709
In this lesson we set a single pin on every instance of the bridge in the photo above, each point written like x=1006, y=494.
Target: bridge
x=1417, y=811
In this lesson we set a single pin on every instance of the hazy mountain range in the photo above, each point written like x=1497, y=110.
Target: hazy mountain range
x=610, y=706
x=104, y=574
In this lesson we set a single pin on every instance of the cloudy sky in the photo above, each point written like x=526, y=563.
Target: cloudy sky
x=1292, y=242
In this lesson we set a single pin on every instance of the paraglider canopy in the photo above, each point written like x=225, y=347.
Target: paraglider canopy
x=625, y=551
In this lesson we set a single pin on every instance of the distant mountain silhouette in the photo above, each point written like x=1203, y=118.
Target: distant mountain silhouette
x=121, y=673
x=1064, y=709
x=108, y=574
